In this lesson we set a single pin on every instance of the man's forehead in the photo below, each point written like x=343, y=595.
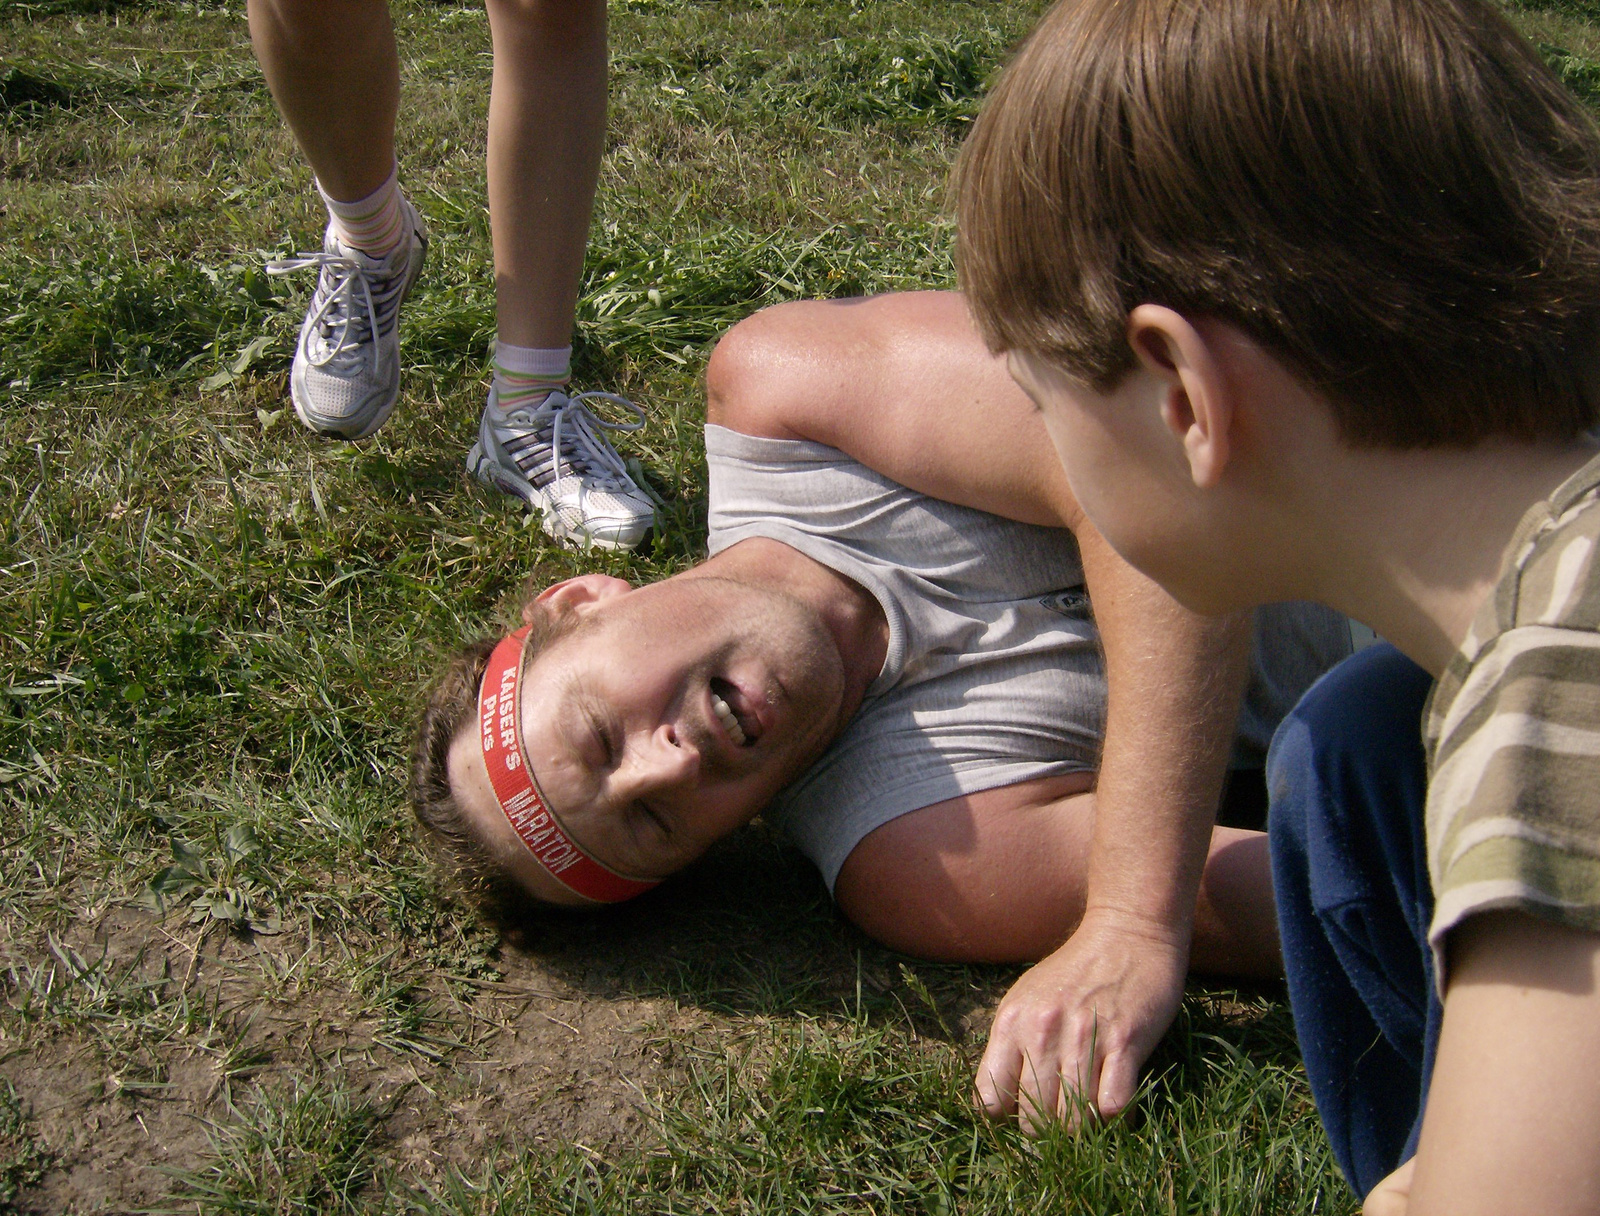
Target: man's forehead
x=585, y=637
x=551, y=680
x=561, y=705
x=557, y=706
x=572, y=642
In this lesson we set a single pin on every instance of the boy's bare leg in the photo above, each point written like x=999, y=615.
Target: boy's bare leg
x=547, y=120
x=547, y=117
x=335, y=75
x=334, y=72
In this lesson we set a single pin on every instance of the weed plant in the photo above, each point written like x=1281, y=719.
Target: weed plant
x=229, y=981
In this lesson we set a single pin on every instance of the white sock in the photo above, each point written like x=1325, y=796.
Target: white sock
x=526, y=375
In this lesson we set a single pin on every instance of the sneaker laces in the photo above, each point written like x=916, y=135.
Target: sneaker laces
x=576, y=444
x=337, y=312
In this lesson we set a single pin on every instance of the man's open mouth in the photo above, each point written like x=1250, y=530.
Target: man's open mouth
x=727, y=702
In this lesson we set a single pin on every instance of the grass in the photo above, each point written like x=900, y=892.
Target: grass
x=846, y=1120
x=305, y=1148
x=228, y=980
x=22, y=1160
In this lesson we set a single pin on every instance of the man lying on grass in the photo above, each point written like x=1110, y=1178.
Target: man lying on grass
x=1309, y=293
x=912, y=689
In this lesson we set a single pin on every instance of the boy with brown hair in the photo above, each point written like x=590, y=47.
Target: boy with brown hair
x=1308, y=292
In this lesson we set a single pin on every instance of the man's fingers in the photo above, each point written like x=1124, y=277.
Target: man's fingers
x=1021, y=1073
x=1039, y=1101
x=1119, y=1076
x=997, y=1077
x=1048, y=1073
x=1071, y=1035
x=1057, y=1075
x=1079, y=1065
x=1076, y=1102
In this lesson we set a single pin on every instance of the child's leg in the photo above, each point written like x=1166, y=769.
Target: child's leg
x=335, y=74
x=1347, y=781
x=547, y=128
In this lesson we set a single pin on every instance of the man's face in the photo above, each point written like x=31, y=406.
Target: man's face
x=672, y=713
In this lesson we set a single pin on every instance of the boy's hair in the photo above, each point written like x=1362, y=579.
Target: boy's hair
x=451, y=706
x=1395, y=197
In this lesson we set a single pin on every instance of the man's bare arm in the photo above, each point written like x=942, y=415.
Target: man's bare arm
x=1092, y=1012
x=904, y=385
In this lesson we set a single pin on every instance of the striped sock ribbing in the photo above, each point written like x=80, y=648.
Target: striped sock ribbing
x=526, y=375
x=374, y=224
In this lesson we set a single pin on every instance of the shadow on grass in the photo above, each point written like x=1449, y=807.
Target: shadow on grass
x=750, y=931
x=831, y=1100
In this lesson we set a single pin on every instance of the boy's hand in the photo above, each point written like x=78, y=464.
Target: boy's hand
x=1392, y=1196
x=1075, y=1029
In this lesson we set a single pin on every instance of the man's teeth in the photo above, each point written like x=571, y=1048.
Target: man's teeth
x=729, y=720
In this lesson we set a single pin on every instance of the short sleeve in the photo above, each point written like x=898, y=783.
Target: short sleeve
x=1514, y=795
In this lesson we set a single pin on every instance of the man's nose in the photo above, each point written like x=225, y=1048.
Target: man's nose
x=666, y=760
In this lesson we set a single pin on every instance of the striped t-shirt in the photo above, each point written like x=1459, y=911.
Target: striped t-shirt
x=1513, y=732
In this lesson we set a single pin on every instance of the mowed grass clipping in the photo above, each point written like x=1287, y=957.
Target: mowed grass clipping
x=229, y=982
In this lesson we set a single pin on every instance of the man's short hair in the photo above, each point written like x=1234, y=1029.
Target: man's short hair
x=1397, y=198
x=451, y=706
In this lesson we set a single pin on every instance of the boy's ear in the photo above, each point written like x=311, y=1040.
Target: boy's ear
x=1197, y=405
x=578, y=593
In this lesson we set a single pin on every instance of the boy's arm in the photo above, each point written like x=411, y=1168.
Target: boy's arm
x=904, y=385
x=1513, y=1118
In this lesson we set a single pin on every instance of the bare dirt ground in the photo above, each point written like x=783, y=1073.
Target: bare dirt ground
x=590, y=1018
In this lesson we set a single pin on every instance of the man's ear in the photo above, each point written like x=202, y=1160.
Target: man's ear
x=1197, y=404
x=576, y=594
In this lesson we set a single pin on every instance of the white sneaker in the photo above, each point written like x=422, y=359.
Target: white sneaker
x=554, y=457
x=346, y=375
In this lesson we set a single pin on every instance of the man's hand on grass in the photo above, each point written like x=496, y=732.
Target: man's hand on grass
x=1075, y=1029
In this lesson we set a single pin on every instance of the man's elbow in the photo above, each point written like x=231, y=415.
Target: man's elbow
x=751, y=376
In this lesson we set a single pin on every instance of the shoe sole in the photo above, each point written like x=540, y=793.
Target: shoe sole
x=330, y=431
x=491, y=475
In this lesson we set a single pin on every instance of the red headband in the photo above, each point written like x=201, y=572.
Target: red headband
x=500, y=723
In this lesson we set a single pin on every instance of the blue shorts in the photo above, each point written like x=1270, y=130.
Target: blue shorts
x=1347, y=779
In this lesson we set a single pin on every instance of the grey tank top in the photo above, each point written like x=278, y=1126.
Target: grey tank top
x=993, y=674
